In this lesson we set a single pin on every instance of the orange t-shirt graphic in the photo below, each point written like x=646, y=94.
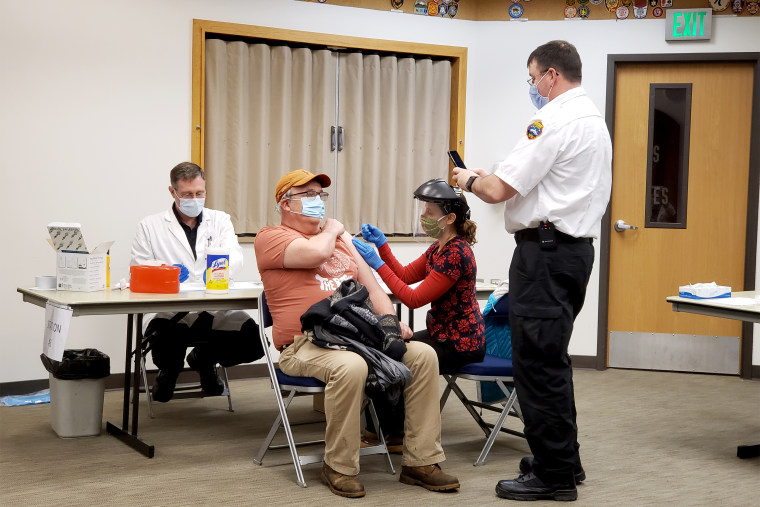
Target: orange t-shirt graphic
x=290, y=292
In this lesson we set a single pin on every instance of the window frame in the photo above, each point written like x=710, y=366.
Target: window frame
x=201, y=28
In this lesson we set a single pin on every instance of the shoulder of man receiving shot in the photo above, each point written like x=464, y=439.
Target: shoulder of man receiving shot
x=306, y=257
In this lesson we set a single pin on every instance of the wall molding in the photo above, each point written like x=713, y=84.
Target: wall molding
x=240, y=372
x=584, y=362
x=115, y=381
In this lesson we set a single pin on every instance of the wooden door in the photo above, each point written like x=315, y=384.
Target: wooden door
x=707, y=242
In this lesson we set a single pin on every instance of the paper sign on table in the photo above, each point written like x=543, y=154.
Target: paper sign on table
x=57, y=320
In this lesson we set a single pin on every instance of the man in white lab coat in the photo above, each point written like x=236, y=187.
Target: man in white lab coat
x=180, y=236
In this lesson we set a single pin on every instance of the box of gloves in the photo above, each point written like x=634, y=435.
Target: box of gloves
x=78, y=268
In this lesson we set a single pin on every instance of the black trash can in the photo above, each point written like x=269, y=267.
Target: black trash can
x=77, y=387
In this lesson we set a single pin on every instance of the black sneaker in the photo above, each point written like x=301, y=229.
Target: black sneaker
x=163, y=387
x=526, y=467
x=211, y=384
x=530, y=487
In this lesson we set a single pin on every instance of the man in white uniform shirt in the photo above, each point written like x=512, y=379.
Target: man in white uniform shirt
x=180, y=236
x=556, y=183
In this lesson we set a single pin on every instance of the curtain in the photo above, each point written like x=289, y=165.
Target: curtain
x=395, y=111
x=270, y=109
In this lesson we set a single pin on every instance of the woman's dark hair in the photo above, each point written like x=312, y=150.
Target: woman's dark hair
x=467, y=230
x=463, y=225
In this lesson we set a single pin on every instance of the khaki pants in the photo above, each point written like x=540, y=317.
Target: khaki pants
x=345, y=375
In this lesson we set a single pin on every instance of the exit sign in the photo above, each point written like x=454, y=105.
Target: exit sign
x=688, y=24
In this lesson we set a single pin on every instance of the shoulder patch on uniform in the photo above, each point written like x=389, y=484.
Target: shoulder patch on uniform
x=535, y=129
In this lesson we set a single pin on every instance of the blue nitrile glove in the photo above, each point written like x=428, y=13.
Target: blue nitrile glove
x=183, y=272
x=373, y=235
x=370, y=254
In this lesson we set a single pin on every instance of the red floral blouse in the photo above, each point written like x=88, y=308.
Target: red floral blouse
x=448, y=284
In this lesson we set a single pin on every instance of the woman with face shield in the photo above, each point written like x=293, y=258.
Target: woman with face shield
x=447, y=272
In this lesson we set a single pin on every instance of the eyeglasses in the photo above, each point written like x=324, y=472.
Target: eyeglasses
x=310, y=193
x=532, y=81
x=191, y=195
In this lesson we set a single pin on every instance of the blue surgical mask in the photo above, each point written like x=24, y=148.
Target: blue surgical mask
x=313, y=207
x=191, y=207
x=539, y=100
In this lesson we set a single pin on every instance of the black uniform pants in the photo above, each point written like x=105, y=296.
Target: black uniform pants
x=169, y=342
x=546, y=290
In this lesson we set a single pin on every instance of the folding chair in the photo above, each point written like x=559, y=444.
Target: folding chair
x=291, y=387
x=181, y=391
x=498, y=371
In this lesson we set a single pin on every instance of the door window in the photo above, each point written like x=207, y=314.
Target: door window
x=668, y=160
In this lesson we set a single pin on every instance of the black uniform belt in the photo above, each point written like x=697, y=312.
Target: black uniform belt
x=561, y=237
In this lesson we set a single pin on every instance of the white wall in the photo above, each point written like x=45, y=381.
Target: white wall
x=95, y=110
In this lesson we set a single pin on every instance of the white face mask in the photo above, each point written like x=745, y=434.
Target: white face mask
x=191, y=207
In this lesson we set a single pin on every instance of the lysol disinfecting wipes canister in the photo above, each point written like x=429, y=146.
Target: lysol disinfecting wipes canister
x=217, y=270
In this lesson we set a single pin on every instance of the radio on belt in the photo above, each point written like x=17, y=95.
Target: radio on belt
x=547, y=238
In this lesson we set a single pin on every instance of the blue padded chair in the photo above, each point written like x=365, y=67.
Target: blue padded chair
x=498, y=343
x=495, y=370
x=286, y=388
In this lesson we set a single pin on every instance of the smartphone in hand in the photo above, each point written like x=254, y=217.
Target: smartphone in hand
x=454, y=155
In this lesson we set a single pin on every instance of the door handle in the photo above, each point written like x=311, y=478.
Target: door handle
x=620, y=226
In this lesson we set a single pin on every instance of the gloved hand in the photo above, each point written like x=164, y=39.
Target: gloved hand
x=370, y=254
x=183, y=272
x=373, y=235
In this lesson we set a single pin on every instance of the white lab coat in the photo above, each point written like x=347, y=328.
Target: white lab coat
x=160, y=237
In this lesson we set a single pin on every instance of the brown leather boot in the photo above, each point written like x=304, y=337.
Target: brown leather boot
x=429, y=477
x=340, y=484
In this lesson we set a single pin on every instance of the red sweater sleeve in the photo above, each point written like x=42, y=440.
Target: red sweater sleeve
x=411, y=273
x=431, y=288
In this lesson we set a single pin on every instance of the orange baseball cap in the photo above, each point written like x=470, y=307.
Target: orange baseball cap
x=296, y=179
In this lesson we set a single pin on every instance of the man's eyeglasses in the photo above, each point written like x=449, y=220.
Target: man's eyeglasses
x=191, y=195
x=310, y=193
x=532, y=81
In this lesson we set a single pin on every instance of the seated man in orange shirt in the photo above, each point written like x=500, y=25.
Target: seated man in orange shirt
x=302, y=263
